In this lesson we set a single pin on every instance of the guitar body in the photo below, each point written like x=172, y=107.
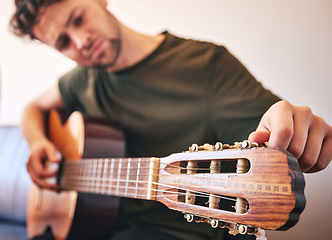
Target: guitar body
x=68, y=214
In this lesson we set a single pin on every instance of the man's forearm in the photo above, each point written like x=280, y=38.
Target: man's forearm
x=33, y=123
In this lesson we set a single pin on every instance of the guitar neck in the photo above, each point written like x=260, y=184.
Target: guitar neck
x=123, y=177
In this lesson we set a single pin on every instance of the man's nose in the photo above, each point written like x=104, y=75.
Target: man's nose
x=81, y=39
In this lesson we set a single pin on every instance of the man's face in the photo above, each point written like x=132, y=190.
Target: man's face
x=83, y=30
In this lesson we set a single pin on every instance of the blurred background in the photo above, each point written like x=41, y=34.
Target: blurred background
x=287, y=45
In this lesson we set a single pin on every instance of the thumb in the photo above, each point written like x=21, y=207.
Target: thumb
x=52, y=154
x=259, y=136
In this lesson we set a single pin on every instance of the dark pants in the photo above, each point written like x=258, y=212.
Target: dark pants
x=135, y=233
x=141, y=233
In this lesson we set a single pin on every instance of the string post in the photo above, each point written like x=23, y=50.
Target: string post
x=190, y=195
x=215, y=167
x=241, y=204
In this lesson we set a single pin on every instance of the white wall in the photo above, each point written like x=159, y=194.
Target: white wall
x=286, y=44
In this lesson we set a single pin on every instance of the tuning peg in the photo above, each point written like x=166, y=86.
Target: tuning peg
x=214, y=223
x=248, y=144
x=242, y=229
x=189, y=217
x=218, y=146
x=193, y=148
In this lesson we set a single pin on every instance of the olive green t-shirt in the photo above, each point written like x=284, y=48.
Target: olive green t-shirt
x=185, y=92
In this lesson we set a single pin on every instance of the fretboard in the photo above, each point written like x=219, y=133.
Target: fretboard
x=123, y=177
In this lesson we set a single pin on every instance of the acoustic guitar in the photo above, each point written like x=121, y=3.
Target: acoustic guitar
x=264, y=189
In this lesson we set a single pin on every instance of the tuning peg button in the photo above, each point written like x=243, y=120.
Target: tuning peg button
x=214, y=223
x=189, y=217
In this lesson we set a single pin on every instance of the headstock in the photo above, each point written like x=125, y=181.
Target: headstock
x=263, y=188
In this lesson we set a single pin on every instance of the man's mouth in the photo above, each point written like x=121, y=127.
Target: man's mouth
x=97, y=50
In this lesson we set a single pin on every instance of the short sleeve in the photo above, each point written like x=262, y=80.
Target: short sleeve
x=72, y=85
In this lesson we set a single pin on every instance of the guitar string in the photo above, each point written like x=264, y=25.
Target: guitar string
x=68, y=164
x=115, y=170
x=125, y=175
x=102, y=189
x=197, y=193
x=90, y=185
x=134, y=195
x=133, y=160
x=93, y=161
x=88, y=176
x=101, y=163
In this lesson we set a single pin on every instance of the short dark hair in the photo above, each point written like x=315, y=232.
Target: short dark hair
x=26, y=16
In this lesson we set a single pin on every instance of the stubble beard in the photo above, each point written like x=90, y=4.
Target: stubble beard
x=116, y=47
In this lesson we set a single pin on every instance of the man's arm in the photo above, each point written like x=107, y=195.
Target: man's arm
x=297, y=130
x=33, y=128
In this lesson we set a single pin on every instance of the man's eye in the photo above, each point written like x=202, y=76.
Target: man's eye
x=64, y=42
x=78, y=21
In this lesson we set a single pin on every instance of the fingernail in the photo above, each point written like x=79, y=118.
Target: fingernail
x=52, y=166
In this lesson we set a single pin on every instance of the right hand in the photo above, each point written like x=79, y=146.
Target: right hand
x=41, y=152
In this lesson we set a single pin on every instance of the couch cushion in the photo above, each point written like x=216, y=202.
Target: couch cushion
x=12, y=231
x=14, y=179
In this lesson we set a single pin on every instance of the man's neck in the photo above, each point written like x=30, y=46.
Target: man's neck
x=135, y=47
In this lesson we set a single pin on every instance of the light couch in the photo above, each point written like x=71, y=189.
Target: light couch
x=14, y=183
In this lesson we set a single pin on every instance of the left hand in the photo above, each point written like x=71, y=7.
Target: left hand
x=300, y=132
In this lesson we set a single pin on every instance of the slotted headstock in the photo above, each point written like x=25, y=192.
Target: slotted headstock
x=264, y=188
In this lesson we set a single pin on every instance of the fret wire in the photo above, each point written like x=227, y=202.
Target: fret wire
x=119, y=175
x=128, y=169
x=98, y=174
x=95, y=166
x=105, y=174
x=112, y=173
x=137, y=177
x=94, y=175
x=90, y=166
x=81, y=169
x=88, y=169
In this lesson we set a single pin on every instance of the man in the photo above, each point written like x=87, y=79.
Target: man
x=166, y=92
